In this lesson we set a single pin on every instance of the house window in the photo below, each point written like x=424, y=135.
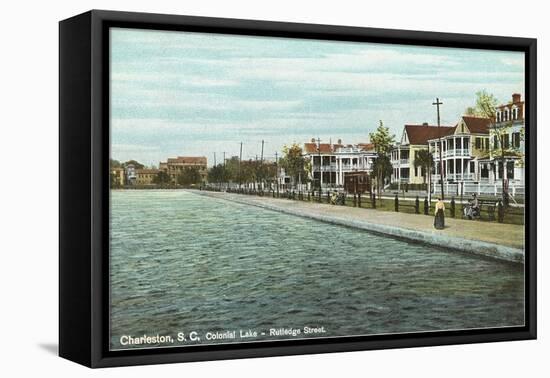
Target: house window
x=510, y=170
x=498, y=117
x=478, y=143
x=484, y=171
x=515, y=139
x=506, y=140
x=495, y=141
x=472, y=167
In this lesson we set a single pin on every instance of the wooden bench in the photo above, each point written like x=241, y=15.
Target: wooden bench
x=489, y=203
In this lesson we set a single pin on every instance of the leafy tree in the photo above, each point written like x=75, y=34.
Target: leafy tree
x=294, y=163
x=162, y=178
x=249, y=171
x=381, y=169
x=425, y=160
x=115, y=163
x=383, y=142
x=137, y=165
x=486, y=104
x=218, y=174
x=189, y=176
x=470, y=111
x=114, y=181
x=233, y=168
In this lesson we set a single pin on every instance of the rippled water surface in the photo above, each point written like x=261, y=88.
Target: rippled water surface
x=184, y=262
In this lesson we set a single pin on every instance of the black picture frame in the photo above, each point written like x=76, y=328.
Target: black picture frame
x=84, y=193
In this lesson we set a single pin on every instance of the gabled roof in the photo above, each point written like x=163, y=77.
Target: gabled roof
x=421, y=134
x=477, y=125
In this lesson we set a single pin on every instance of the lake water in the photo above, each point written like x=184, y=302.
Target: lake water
x=181, y=262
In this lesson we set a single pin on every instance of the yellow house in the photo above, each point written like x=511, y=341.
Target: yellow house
x=414, y=139
x=118, y=176
x=462, y=149
x=175, y=166
x=145, y=176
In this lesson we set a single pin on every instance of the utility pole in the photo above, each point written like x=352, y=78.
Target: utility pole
x=437, y=103
x=320, y=166
x=214, y=159
x=277, y=171
x=240, y=159
x=262, y=166
x=429, y=176
x=224, y=172
x=262, y=155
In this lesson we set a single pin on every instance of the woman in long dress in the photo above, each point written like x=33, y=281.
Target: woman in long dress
x=439, y=221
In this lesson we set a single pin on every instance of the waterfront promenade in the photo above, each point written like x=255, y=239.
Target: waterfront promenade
x=497, y=240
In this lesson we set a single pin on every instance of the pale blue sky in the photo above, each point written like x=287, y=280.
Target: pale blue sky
x=179, y=93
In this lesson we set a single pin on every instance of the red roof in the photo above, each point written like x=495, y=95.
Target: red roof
x=421, y=134
x=146, y=170
x=366, y=146
x=311, y=148
x=188, y=160
x=477, y=125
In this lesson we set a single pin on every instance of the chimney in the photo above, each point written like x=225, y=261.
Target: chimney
x=516, y=97
x=339, y=141
x=425, y=124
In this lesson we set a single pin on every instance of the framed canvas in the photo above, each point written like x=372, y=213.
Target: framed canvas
x=234, y=188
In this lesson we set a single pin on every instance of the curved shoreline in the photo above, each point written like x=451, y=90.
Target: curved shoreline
x=477, y=247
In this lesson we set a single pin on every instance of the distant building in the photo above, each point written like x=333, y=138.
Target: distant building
x=175, y=166
x=330, y=163
x=145, y=176
x=118, y=176
x=130, y=171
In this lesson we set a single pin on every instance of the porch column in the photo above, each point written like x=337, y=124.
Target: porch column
x=340, y=172
x=321, y=172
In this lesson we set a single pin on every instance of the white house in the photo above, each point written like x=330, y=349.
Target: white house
x=331, y=162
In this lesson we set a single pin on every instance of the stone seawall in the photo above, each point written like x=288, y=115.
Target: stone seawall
x=439, y=239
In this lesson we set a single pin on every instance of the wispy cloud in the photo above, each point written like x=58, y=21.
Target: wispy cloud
x=186, y=93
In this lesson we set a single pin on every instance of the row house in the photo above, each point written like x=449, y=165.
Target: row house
x=117, y=174
x=510, y=124
x=139, y=176
x=470, y=150
x=175, y=166
x=414, y=139
x=462, y=149
x=145, y=176
x=472, y=153
x=331, y=163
